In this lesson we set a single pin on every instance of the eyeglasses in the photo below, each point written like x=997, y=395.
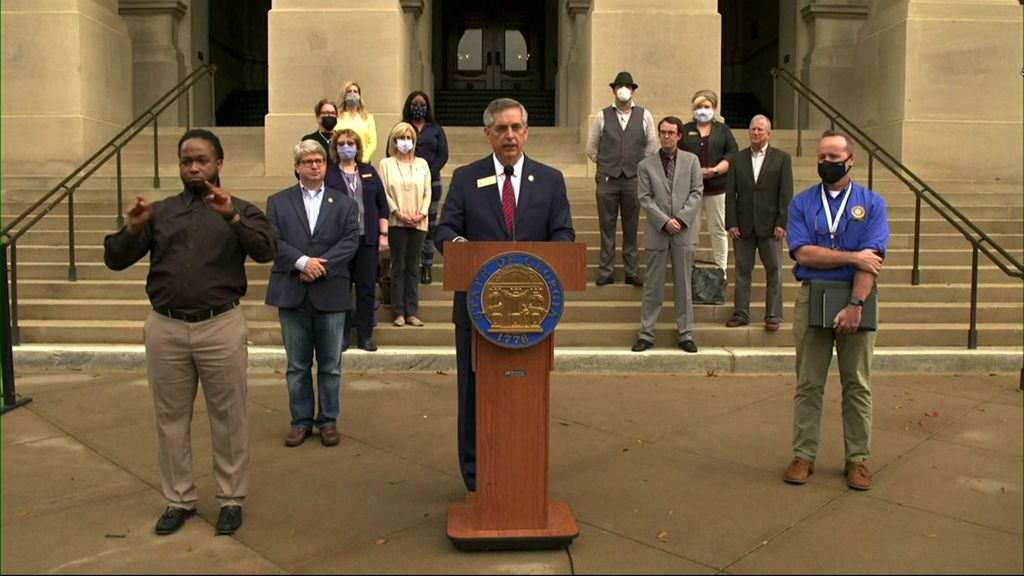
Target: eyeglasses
x=664, y=133
x=313, y=162
x=503, y=128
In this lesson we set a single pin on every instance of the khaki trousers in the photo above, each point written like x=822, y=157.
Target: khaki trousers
x=178, y=356
x=813, y=357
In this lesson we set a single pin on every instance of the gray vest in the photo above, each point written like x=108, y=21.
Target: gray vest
x=620, y=150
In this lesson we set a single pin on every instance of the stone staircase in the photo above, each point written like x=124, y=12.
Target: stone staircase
x=106, y=307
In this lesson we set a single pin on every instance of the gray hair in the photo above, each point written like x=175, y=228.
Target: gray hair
x=307, y=147
x=499, y=105
x=761, y=117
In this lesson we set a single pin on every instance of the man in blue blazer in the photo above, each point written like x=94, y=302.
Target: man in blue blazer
x=317, y=232
x=503, y=197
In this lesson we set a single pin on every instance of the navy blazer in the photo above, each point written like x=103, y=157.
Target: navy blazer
x=474, y=212
x=375, y=202
x=335, y=238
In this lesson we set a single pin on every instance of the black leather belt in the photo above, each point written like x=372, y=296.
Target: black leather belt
x=196, y=315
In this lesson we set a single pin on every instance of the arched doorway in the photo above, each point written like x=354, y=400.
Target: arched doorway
x=487, y=49
x=750, y=48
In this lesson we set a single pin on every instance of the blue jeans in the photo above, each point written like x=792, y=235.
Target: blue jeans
x=306, y=331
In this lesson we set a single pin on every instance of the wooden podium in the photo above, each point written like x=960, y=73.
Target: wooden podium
x=510, y=509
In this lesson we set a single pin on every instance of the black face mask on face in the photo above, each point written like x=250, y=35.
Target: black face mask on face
x=832, y=172
x=329, y=122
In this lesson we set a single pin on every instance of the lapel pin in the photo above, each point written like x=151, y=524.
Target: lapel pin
x=330, y=200
x=530, y=177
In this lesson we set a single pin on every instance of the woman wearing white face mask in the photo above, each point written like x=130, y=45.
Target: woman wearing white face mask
x=354, y=116
x=713, y=143
x=407, y=185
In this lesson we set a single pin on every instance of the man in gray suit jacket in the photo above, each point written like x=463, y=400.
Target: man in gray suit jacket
x=670, y=189
x=757, y=194
x=317, y=232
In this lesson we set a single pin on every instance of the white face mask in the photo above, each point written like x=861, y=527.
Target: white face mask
x=623, y=94
x=404, y=145
x=703, y=114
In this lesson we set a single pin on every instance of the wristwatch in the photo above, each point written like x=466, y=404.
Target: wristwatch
x=854, y=301
x=384, y=234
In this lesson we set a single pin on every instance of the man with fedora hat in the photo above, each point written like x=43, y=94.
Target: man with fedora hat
x=622, y=134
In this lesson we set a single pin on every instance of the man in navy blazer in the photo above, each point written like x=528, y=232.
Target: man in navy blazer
x=317, y=232
x=475, y=210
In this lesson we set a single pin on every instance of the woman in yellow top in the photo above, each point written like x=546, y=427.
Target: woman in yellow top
x=407, y=186
x=355, y=117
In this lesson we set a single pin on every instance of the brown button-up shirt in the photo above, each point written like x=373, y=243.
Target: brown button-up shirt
x=196, y=258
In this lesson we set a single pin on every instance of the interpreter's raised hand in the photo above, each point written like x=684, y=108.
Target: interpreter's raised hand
x=139, y=214
x=868, y=261
x=219, y=200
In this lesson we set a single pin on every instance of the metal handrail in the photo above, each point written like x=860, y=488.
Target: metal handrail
x=980, y=241
x=14, y=230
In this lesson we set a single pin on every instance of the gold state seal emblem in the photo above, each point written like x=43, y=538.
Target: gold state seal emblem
x=516, y=300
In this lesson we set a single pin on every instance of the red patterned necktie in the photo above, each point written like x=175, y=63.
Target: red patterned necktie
x=508, y=203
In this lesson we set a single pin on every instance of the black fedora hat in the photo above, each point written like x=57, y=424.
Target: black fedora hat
x=624, y=78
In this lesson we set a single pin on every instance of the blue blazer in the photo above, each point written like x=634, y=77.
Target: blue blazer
x=335, y=238
x=474, y=212
x=375, y=203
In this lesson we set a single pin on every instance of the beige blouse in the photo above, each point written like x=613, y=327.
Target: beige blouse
x=407, y=187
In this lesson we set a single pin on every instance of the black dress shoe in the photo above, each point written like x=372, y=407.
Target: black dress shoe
x=634, y=281
x=172, y=519
x=368, y=345
x=642, y=345
x=230, y=520
x=605, y=280
x=688, y=346
x=425, y=275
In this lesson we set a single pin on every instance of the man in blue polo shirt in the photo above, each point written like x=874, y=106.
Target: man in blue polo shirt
x=838, y=231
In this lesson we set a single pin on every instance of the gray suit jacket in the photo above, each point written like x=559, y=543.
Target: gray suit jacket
x=756, y=208
x=661, y=203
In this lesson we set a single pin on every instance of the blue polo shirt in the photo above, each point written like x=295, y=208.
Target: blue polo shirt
x=864, y=224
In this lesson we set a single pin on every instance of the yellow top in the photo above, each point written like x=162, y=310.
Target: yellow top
x=366, y=128
x=408, y=189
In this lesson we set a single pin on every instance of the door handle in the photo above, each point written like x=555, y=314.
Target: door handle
x=488, y=58
x=497, y=59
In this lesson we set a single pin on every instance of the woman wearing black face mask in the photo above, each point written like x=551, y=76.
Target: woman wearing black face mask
x=432, y=146
x=326, y=119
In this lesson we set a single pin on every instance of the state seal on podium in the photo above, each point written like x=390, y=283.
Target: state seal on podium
x=515, y=300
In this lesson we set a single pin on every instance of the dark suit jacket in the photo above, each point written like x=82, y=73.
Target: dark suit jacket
x=375, y=202
x=335, y=238
x=756, y=208
x=474, y=212
x=721, y=144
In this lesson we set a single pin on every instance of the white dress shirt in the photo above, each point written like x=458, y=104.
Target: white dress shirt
x=757, y=158
x=312, y=200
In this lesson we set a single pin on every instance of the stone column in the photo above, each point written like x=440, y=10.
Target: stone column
x=314, y=47
x=158, y=63
x=941, y=87
x=828, y=65
x=67, y=83
x=672, y=49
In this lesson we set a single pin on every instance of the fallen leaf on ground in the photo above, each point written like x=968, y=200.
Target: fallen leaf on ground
x=932, y=413
x=712, y=373
x=381, y=541
x=663, y=535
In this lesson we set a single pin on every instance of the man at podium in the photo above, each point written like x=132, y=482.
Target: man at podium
x=504, y=197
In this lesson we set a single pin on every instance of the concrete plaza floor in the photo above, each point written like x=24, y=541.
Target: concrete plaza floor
x=665, y=475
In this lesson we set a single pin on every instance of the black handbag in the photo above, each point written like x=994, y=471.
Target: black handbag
x=707, y=285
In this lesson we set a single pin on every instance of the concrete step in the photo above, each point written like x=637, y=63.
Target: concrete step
x=895, y=290
x=575, y=311
x=568, y=334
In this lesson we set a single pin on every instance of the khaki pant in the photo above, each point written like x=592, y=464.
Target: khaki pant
x=178, y=356
x=813, y=357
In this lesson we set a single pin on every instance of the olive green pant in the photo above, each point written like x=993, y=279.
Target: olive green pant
x=813, y=357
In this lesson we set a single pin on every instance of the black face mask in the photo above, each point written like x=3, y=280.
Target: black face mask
x=832, y=172
x=329, y=122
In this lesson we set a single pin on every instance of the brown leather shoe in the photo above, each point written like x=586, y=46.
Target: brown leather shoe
x=858, y=476
x=735, y=322
x=329, y=436
x=799, y=471
x=296, y=436
x=771, y=325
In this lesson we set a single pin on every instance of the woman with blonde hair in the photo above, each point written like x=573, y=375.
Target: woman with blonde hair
x=354, y=116
x=713, y=143
x=349, y=174
x=407, y=185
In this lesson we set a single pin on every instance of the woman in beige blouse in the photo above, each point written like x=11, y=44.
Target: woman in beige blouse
x=407, y=185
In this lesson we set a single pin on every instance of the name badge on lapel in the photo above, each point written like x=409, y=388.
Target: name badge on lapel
x=488, y=181
x=367, y=175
